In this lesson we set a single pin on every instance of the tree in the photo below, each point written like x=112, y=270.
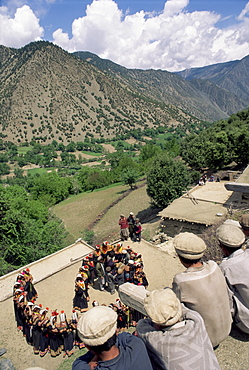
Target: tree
x=166, y=180
x=130, y=177
x=149, y=151
x=50, y=188
x=4, y=169
x=27, y=229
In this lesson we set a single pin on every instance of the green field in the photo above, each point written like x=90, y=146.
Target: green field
x=92, y=153
x=23, y=149
x=41, y=170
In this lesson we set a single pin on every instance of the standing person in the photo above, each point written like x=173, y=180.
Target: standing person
x=66, y=330
x=100, y=272
x=96, y=253
x=107, y=350
x=175, y=336
x=44, y=340
x=139, y=276
x=36, y=328
x=54, y=340
x=29, y=287
x=202, y=287
x=137, y=231
x=81, y=297
x=124, y=228
x=235, y=269
x=131, y=223
x=110, y=280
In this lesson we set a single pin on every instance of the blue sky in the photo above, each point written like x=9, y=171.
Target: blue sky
x=171, y=35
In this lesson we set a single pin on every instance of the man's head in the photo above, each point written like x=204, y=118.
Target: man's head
x=230, y=238
x=97, y=326
x=189, y=247
x=244, y=223
x=163, y=307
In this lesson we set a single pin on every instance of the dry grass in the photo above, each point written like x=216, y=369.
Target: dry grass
x=80, y=211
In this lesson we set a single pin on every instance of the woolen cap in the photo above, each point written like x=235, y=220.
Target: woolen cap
x=189, y=246
x=231, y=236
x=163, y=307
x=244, y=221
x=97, y=325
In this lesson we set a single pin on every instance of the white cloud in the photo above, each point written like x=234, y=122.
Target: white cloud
x=20, y=29
x=173, y=40
x=244, y=12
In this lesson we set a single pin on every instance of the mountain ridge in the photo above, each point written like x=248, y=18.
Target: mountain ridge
x=47, y=93
x=187, y=93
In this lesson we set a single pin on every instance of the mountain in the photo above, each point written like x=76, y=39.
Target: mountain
x=232, y=77
x=47, y=93
x=209, y=101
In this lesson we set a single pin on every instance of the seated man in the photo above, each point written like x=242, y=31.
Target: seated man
x=97, y=329
x=235, y=269
x=202, y=287
x=175, y=336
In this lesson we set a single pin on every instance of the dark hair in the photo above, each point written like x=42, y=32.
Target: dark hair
x=230, y=249
x=105, y=346
x=188, y=261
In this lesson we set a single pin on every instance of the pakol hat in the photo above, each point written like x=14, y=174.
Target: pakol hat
x=163, y=307
x=189, y=246
x=97, y=325
x=231, y=236
x=244, y=221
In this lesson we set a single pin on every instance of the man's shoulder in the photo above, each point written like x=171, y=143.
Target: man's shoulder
x=131, y=342
x=238, y=257
x=81, y=363
x=208, y=268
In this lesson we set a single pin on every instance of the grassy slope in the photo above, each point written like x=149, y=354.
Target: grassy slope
x=79, y=211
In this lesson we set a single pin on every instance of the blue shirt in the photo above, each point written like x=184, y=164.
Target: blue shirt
x=132, y=356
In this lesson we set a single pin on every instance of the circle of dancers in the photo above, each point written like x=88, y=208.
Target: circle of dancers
x=49, y=331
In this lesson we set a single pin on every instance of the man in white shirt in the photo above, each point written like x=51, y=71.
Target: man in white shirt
x=202, y=287
x=235, y=269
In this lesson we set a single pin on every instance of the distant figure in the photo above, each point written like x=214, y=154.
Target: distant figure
x=131, y=222
x=124, y=228
x=175, y=336
x=137, y=231
x=100, y=272
x=202, y=287
x=235, y=269
x=107, y=350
